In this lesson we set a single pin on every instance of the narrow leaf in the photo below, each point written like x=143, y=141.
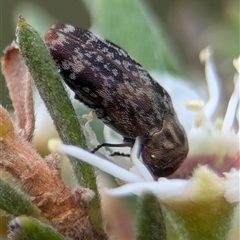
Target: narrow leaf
x=51, y=89
x=27, y=228
x=15, y=202
x=48, y=82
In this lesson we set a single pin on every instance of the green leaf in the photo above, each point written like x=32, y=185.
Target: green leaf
x=48, y=82
x=132, y=26
x=150, y=222
x=27, y=228
x=15, y=202
x=51, y=89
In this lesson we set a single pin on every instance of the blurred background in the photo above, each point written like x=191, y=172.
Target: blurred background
x=190, y=25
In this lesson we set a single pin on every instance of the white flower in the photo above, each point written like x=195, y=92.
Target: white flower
x=206, y=138
x=202, y=197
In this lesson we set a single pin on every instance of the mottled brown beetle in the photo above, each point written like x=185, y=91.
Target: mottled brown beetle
x=122, y=93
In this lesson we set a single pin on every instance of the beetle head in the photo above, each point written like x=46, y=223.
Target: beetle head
x=164, y=151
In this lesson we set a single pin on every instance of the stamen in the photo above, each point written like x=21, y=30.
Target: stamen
x=236, y=64
x=163, y=189
x=102, y=164
x=232, y=107
x=199, y=120
x=55, y=145
x=195, y=105
x=135, y=152
x=212, y=81
x=238, y=118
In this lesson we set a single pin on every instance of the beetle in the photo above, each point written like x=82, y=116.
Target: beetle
x=122, y=94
